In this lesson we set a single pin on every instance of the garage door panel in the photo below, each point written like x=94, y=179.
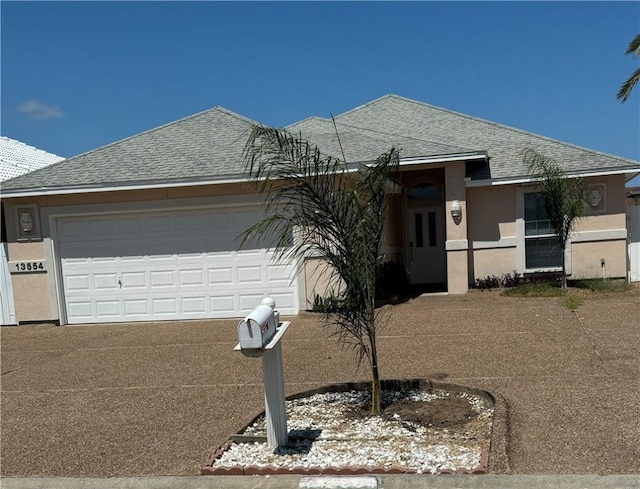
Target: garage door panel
x=223, y=305
x=220, y=276
x=191, y=278
x=285, y=301
x=105, y=281
x=162, y=278
x=133, y=280
x=279, y=274
x=108, y=309
x=250, y=274
x=193, y=305
x=248, y=301
x=164, y=306
x=78, y=283
x=136, y=307
x=79, y=311
x=166, y=265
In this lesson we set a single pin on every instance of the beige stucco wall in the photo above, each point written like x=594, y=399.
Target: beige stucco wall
x=457, y=244
x=31, y=297
x=31, y=290
x=493, y=261
x=492, y=213
x=585, y=259
x=317, y=277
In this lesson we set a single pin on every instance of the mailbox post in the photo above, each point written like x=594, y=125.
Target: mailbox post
x=259, y=335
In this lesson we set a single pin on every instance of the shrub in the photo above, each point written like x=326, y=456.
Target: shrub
x=392, y=280
x=326, y=305
x=515, y=279
x=490, y=282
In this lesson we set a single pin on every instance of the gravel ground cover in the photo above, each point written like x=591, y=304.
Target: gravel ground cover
x=421, y=431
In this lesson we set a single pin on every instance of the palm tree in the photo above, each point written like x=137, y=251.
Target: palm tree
x=564, y=198
x=627, y=87
x=318, y=203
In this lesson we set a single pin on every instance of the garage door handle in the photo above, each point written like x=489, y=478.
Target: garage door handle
x=119, y=283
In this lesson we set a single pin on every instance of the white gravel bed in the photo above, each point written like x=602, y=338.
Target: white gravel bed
x=324, y=432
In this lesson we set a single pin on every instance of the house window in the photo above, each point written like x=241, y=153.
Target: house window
x=541, y=246
x=425, y=191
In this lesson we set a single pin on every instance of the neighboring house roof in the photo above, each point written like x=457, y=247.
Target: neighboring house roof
x=207, y=148
x=17, y=158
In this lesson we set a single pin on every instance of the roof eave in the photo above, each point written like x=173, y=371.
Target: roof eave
x=81, y=189
x=467, y=156
x=522, y=180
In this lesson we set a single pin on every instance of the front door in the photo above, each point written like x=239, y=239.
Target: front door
x=426, y=245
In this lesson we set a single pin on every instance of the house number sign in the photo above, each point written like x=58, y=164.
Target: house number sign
x=27, y=266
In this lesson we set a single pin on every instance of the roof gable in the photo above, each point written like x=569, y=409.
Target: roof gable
x=504, y=144
x=203, y=146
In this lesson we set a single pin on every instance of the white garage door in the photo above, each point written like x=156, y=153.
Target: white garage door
x=167, y=265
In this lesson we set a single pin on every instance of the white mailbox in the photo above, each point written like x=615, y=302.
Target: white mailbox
x=259, y=334
x=255, y=331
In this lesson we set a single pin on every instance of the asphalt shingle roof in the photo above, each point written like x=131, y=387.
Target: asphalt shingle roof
x=208, y=146
x=203, y=146
x=396, y=115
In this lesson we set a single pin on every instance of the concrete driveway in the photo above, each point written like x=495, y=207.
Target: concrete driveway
x=159, y=398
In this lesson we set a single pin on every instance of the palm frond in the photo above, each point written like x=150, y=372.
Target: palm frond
x=627, y=87
x=315, y=202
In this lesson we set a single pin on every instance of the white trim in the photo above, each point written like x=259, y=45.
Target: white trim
x=7, y=307
x=215, y=181
x=474, y=155
x=531, y=180
x=599, y=235
x=509, y=242
x=115, y=188
x=456, y=245
x=521, y=262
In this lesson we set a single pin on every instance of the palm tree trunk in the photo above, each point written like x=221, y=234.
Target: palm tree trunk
x=376, y=390
x=563, y=285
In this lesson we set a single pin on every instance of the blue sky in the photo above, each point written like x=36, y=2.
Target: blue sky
x=79, y=75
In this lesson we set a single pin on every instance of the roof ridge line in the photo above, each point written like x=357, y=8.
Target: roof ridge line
x=504, y=126
x=162, y=126
x=375, y=131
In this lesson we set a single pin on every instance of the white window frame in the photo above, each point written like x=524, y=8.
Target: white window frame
x=521, y=259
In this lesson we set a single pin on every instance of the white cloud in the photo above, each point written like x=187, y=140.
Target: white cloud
x=39, y=110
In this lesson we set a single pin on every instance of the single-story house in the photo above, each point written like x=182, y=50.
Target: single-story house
x=16, y=158
x=145, y=229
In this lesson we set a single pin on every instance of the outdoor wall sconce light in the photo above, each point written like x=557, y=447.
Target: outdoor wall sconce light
x=27, y=222
x=456, y=210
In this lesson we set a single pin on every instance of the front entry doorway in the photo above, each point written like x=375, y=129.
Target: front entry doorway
x=426, y=236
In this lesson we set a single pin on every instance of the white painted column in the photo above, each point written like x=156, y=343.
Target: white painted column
x=274, y=398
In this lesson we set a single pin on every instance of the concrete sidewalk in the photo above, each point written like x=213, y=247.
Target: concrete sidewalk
x=157, y=399
x=370, y=482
